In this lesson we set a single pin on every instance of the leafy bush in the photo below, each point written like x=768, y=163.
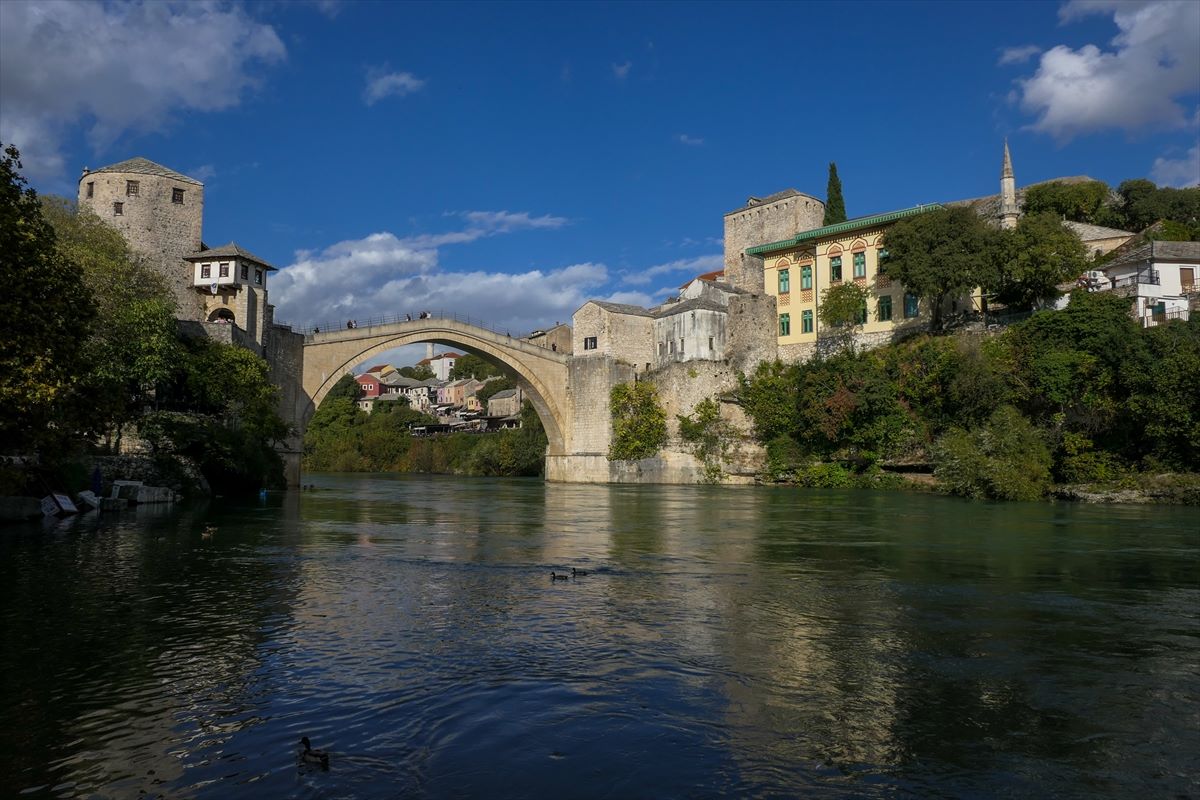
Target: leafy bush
x=1005, y=459
x=639, y=422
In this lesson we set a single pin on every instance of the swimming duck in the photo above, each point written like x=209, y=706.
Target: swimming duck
x=316, y=757
x=578, y=573
x=554, y=576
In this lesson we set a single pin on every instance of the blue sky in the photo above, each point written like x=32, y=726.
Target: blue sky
x=512, y=160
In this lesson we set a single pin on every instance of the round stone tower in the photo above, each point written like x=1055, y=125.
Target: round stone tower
x=160, y=213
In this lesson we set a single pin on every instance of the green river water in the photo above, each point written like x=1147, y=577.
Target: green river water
x=727, y=642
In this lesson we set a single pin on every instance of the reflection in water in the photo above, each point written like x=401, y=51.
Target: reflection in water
x=747, y=642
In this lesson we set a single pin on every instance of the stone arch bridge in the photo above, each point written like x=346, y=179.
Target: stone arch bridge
x=541, y=373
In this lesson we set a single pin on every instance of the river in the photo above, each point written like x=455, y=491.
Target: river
x=736, y=642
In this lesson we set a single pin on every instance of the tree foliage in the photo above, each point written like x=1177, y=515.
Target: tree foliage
x=835, y=206
x=942, y=254
x=1136, y=205
x=47, y=317
x=843, y=309
x=1005, y=459
x=470, y=365
x=420, y=372
x=1038, y=255
x=639, y=422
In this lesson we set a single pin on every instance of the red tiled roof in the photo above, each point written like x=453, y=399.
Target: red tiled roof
x=708, y=276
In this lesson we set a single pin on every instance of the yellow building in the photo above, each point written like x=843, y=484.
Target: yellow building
x=797, y=270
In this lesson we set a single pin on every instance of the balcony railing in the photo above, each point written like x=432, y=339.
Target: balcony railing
x=1146, y=276
x=1162, y=318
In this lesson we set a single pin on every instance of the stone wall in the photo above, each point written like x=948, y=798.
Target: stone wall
x=156, y=227
x=284, y=352
x=589, y=384
x=762, y=222
x=752, y=339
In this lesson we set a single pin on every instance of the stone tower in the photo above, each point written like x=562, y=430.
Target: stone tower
x=762, y=221
x=160, y=213
x=1009, y=211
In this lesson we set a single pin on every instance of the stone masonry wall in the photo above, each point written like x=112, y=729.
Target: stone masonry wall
x=284, y=352
x=761, y=224
x=752, y=331
x=161, y=230
x=589, y=383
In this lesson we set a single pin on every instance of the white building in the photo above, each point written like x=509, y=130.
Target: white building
x=1160, y=276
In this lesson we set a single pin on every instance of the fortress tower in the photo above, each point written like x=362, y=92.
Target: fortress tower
x=159, y=212
x=762, y=220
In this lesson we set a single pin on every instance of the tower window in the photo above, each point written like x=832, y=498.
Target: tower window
x=91, y=189
x=177, y=196
x=224, y=269
x=131, y=188
x=589, y=343
x=205, y=271
x=118, y=209
x=245, y=272
x=258, y=276
x=710, y=343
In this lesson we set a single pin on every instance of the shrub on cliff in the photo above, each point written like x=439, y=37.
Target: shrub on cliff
x=1004, y=459
x=639, y=422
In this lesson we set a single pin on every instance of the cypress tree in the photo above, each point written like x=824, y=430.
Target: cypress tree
x=835, y=206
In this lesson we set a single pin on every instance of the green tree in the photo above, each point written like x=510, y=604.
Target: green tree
x=492, y=387
x=134, y=343
x=1039, y=254
x=420, y=372
x=842, y=311
x=1078, y=202
x=1143, y=204
x=47, y=317
x=472, y=366
x=1006, y=459
x=768, y=397
x=835, y=206
x=942, y=254
x=639, y=422
x=347, y=386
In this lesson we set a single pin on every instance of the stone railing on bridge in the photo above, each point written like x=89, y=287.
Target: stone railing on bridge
x=351, y=324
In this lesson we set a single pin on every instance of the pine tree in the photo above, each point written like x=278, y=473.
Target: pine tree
x=835, y=206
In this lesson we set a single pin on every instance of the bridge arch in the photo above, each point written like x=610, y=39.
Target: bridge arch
x=541, y=373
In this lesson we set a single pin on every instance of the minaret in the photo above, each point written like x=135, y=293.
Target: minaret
x=1008, y=193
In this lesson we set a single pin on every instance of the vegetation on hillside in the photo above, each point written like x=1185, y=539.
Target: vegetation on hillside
x=1078, y=395
x=341, y=437
x=90, y=349
x=1134, y=206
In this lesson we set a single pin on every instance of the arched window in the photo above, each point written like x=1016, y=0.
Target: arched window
x=806, y=277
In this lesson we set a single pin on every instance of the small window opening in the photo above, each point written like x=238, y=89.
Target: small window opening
x=118, y=209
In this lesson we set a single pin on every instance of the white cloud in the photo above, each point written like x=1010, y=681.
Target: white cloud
x=330, y=8
x=621, y=71
x=1155, y=60
x=119, y=66
x=202, y=173
x=382, y=275
x=1018, y=55
x=381, y=83
x=692, y=141
x=632, y=298
x=1178, y=172
x=685, y=267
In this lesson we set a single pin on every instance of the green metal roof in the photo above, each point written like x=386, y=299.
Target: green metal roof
x=842, y=227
